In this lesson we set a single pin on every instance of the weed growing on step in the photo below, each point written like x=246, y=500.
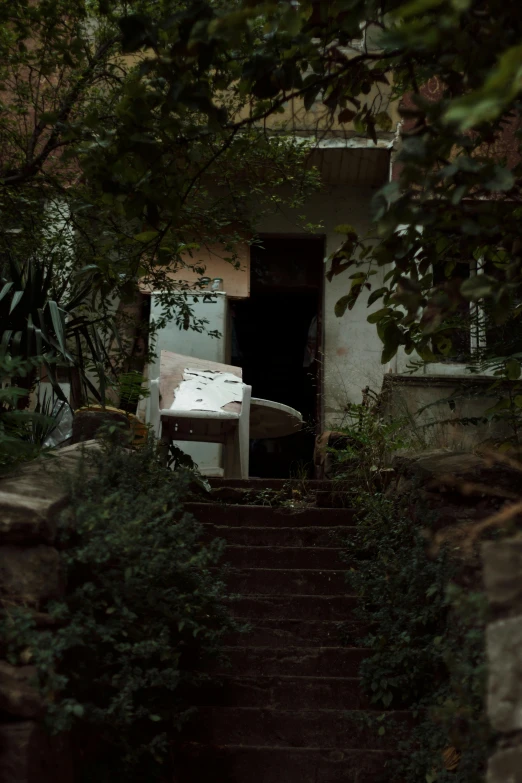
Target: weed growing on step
x=143, y=610
x=365, y=443
x=289, y=497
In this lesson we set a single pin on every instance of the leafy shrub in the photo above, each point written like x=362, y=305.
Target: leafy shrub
x=426, y=622
x=143, y=611
x=369, y=439
x=22, y=432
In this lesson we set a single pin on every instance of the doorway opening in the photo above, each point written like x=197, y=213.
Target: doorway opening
x=277, y=339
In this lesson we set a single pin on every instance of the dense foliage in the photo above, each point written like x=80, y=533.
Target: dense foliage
x=454, y=62
x=423, y=610
x=144, y=608
x=143, y=126
x=22, y=432
x=426, y=634
x=116, y=170
x=366, y=439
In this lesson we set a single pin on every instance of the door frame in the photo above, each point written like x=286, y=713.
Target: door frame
x=319, y=404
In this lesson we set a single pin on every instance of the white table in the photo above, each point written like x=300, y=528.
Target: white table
x=270, y=419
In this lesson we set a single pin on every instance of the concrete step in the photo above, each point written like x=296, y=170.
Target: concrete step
x=284, y=633
x=268, y=516
x=296, y=693
x=261, y=484
x=294, y=607
x=327, y=558
x=279, y=581
x=333, y=499
x=231, y=764
x=292, y=661
x=240, y=535
x=328, y=498
x=343, y=729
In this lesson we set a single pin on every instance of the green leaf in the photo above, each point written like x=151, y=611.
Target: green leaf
x=341, y=305
x=444, y=344
x=477, y=287
x=502, y=179
x=48, y=117
x=513, y=369
x=135, y=32
x=14, y=301
x=488, y=101
x=310, y=97
x=383, y=121
x=58, y=324
x=375, y=295
x=346, y=228
x=378, y=315
x=146, y=236
x=392, y=338
x=5, y=290
x=458, y=194
x=346, y=115
x=501, y=405
x=416, y=7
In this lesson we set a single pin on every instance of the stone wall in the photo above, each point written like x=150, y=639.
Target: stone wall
x=445, y=411
x=464, y=489
x=503, y=582
x=30, y=575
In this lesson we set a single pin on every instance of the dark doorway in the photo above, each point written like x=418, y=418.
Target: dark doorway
x=277, y=337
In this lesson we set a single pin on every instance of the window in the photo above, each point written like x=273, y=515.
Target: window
x=452, y=345
x=472, y=333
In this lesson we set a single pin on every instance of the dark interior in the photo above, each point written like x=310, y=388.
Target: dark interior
x=270, y=336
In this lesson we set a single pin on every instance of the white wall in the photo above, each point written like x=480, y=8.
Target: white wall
x=352, y=349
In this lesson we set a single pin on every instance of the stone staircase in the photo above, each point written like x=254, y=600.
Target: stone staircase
x=289, y=707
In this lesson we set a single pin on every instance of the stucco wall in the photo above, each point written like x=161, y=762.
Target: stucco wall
x=236, y=281
x=352, y=349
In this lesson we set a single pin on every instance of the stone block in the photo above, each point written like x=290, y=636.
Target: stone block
x=45, y=478
x=30, y=576
x=87, y=424
x=504, y=646
x=20, y=746
x=503, y=572
x=29, y=518
x=457, y=469
x=19, y=695
x=505, y=766
x=29, y=755
x=32, y=497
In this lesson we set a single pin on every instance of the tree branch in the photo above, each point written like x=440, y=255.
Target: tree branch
x=32, y=167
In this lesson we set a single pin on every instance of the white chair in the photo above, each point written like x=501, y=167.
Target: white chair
x=197, y=400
